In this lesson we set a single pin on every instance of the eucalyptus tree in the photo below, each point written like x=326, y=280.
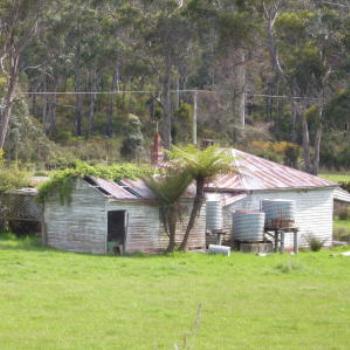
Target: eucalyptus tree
x=168, y=42
x=228, y=33
x=20, y=22
x=305, y=51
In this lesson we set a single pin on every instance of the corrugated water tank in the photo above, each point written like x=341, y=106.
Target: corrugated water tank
x=279, y=212
x=248, y=225
x=214, y=215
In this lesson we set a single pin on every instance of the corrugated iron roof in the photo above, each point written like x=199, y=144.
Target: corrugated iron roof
x=255, y=173
x=138, y=188
x=113, y=189
x=128, y=189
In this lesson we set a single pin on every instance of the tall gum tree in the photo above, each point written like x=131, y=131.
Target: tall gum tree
x=303, y=46
x=20, y=22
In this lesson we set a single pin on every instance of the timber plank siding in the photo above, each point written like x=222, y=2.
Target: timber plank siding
x=314, y=212
x=82, y=225
x=79, y=226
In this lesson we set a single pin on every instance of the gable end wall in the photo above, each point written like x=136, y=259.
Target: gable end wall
x=80, y=226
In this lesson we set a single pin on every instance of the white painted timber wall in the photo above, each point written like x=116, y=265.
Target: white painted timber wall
x=314, y=212
x=143, y=226
x=80, y=226
x=145, y=231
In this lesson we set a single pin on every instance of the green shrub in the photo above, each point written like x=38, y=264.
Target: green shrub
x=12, y=177
x=315, y=243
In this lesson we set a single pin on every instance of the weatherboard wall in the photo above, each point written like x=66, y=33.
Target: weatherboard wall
x=145, y=231
x=314, y=212
x=81, y=225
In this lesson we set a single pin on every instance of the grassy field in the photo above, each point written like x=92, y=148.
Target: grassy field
x=57, y=300
x=336, y=177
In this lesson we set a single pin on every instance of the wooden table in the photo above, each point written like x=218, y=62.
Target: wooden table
x=278, y=235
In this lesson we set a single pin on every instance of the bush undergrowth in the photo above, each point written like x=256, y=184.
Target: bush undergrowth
x=12, y=176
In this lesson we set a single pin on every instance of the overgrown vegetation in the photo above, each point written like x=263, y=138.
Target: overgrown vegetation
x=12, y=176
x=62, y=181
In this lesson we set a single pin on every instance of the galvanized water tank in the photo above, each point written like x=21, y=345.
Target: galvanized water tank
x=279, y=212
x=213, y=215
x=248, y=225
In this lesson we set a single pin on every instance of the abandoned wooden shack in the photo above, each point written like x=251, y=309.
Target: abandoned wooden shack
x=257, y=179
x=104, y=216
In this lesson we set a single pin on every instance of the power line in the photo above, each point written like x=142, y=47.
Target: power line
x=150, y=92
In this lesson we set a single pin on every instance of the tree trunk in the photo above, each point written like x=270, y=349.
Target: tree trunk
x=318, y=139
x=167, y=105
x=317, y=150
x=196, y=208
x=172, y=219
x=242, y=81
x=114, y=88
x=44, y=109
x=306, y=145
x=9, y=99
x=79, y=97
x=93, y=97
x=294, y=121
x=52, y=110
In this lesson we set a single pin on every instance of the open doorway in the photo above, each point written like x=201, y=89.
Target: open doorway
x=117, y=221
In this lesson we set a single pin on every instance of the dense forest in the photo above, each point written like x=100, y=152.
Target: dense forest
x=94, y=80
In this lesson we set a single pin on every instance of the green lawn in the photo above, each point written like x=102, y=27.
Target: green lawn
x=336, y=177
x=57, y=300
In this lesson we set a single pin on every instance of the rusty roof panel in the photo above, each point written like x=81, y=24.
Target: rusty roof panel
x=132, y=189
x=113, y=189
x=255, y=173
x=137, y=187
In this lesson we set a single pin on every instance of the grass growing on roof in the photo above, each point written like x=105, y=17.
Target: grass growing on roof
x=62, y=181
x=59, y=300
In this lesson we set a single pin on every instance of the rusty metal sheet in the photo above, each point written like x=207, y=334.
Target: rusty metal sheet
x=255, y=173
x=113, y=189
x=138, y=188
x=128, y=189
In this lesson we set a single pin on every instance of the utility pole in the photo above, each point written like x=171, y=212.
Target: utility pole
x=194, y=117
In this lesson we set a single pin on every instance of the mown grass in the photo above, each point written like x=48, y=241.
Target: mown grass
x=57, y=300
x=337, y=177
